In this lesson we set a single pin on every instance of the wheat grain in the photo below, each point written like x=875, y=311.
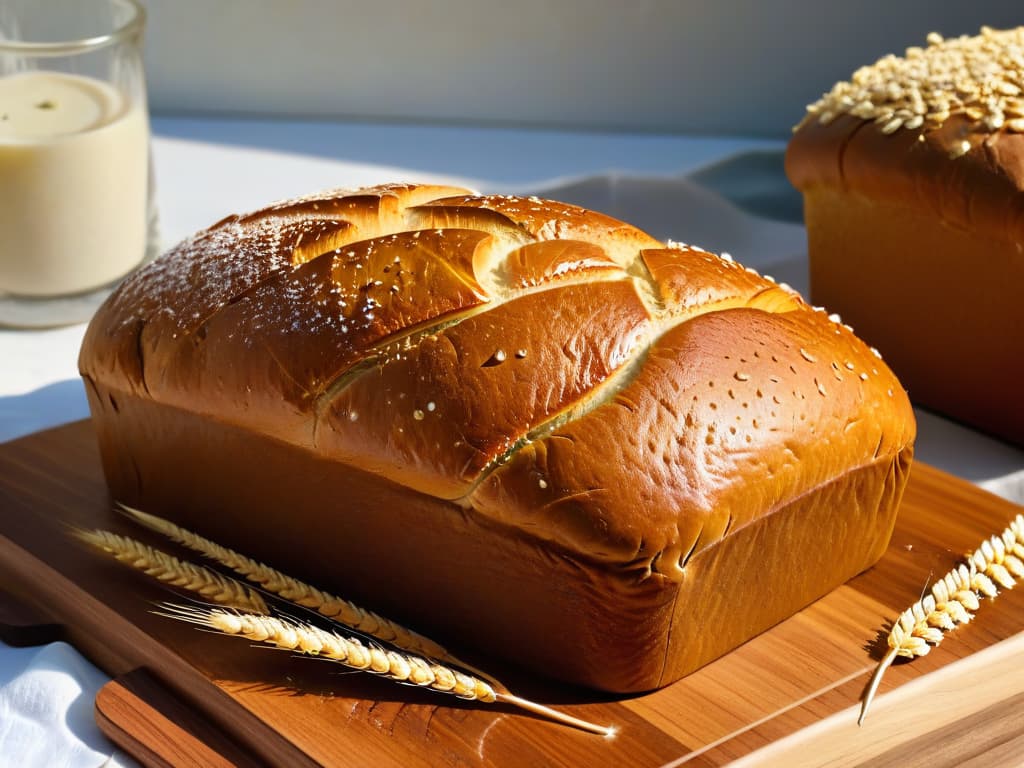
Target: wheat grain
x=293, y=635
x=177, y=573
x=333, y=607
x=981, y=77
x=998, y=562
x=309, y=639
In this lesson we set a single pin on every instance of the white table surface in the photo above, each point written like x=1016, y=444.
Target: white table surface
x=208, y=168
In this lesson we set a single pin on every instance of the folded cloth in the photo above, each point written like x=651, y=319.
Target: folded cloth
x=678, y=208
x=46, y=710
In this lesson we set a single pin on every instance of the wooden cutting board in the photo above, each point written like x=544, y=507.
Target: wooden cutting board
x=183, y=697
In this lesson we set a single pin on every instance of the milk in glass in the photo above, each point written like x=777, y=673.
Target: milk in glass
x=73, y=183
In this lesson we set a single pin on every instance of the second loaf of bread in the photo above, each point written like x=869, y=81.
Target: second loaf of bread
x=528, y=429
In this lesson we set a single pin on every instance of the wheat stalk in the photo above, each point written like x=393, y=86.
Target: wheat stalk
x=177, y=573
x=246, y=615
x=996, y=562
x=309, y=639
x=331, y=606
x=420, y=664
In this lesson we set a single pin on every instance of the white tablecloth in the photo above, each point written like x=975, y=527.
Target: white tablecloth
x=672, y=186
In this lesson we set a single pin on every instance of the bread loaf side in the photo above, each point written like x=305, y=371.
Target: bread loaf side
x=912, y=175
x=528, y=429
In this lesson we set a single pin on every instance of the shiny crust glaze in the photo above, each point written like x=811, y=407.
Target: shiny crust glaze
x=551, y=370
x=732, y=415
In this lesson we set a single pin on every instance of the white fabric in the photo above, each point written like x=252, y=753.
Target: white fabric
x=46, y=694
x=46, y=710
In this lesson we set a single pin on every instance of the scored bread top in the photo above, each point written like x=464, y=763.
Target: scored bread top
x=543, y=367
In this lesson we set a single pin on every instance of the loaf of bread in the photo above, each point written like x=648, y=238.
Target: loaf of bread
x=526, y=429
x=913, y=181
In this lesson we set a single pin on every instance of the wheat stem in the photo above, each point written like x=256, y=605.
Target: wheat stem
x=554, y=714
x=305, y=595
x=309, y=639
x=994, y=564
x=177, y=573
x=876, y=680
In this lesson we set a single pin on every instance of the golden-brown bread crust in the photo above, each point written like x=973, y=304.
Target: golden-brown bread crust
x=725, y=421
x=980, y=190
x=916, y=236
x=434, y=417
x=556, y=380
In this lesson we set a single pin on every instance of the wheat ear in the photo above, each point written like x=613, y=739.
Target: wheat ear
x=408, y=668
x=997, y=561
x=303, y=594
x=177, y=573
x=250, y=619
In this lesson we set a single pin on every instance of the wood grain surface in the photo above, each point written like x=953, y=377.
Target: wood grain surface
x=971, y=709
x=260, y=705
x=145, y=719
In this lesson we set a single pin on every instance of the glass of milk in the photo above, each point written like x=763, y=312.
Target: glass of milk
x=76, y=191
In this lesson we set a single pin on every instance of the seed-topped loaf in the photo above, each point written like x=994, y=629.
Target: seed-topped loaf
x=527, y=429
x=912, y=174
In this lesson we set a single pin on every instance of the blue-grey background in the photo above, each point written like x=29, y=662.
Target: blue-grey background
x=731, y=67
